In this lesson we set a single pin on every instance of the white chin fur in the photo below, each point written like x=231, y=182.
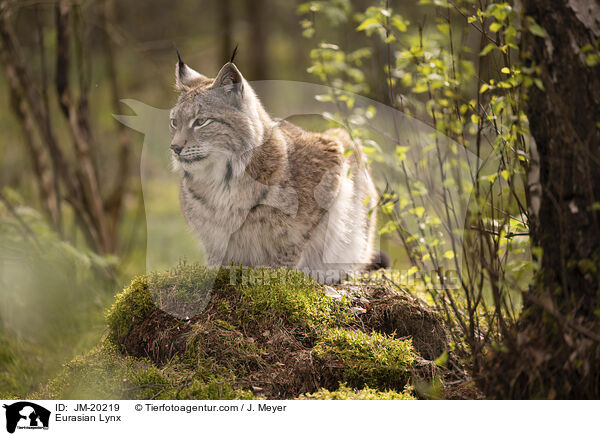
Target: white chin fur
x=175, y=164
x=190, y=167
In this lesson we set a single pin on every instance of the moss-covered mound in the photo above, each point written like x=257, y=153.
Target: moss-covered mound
x=197, y=333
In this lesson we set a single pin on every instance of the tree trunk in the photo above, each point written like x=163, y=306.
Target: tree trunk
x=61, y=179
x=555, y=352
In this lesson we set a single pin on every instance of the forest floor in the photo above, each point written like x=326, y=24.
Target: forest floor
x=197, y=333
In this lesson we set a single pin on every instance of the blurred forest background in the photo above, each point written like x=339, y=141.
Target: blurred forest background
x=73, y=229
x=475, y=73
x=58, y=275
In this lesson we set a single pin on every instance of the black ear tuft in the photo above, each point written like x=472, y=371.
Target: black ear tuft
x=234, y=53
x=181, y=63
x=185, y=77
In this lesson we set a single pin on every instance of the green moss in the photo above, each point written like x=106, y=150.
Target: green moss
x=8, y=383
x=130, y=306
x=224, y=307
x=183, y=291
x=98, y=374
x=177, y=381
x=223, y=348
x=374, y=360
x=214, y=390
x=186, y=289
x=346, y=393
x=18, y=371
x=225, y=324
x=291, y=295
x=103, y=373
x=151, y=382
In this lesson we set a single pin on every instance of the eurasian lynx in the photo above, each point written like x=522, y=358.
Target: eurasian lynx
x=263, y=192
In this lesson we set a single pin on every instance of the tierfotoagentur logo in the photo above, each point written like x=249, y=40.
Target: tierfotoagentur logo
x=26, y=415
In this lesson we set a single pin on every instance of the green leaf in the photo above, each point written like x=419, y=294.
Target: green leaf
x=308, y=32
x=495, y=26
x=369, y=22
x=411, y=271
x=491, y=178
x=538, y=83
x=505, y=70
x=443, y=359
x=418, y=211
x=538, y=30
x=535, y=28
x=389, y=227
x=586, y=48
x=488, y=48
x=444, y=28
x=420, y=88
x=398, y=23
x=592, y=59
x=387, y=208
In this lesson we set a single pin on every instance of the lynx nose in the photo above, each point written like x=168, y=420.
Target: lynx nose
x=176, y=148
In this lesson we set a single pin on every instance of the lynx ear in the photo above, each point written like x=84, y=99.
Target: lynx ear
x=230, y=77
x=185, y=77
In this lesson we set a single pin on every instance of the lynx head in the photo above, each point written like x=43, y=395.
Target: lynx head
x=216, y=123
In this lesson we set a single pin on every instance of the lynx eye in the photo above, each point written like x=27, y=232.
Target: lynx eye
x=201, y=122
x=173, y=123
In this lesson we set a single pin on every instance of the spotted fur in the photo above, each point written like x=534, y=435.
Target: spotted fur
x=262, y=192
